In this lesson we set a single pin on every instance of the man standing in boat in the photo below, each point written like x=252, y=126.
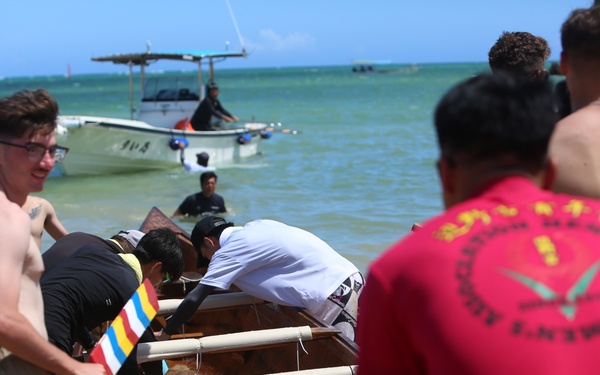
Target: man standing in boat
x=210, y=109
x=28, y=152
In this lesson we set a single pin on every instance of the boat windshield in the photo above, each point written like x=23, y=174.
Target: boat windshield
x=171, y=88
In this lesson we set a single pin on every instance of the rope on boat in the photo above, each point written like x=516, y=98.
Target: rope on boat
x=256, y=312
x=198, y=362
x=299, y=343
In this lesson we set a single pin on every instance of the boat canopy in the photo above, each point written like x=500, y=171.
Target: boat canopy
x=185, y=55
x=143, y=59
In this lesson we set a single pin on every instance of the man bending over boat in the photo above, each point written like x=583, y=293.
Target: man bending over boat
x=506, y=280
x=278, y=263
x=92, y=285
x=209, y=110
x=28, y=152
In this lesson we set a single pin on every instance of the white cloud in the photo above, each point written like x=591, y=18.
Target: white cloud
x=270, y=40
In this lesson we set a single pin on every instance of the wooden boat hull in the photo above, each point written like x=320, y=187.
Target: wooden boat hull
x=332, y=351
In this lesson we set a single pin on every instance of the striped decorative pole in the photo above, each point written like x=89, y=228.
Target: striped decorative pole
x=127, y=328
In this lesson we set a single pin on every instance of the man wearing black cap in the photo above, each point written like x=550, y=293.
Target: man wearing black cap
x=210, y=108
x=278, y=263
x=92, y=285
x=201, y=164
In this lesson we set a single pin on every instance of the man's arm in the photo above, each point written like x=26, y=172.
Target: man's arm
x=181, y=209
x=51, y=224
x=222, y=205
x=186, y=309
x=224, y=114
x=573, y=147
x=17, y=333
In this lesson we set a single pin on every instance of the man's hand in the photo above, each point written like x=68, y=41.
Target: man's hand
x=89, y=369
x=161, y=336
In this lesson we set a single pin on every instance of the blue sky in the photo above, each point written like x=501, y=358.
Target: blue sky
x=41, y=37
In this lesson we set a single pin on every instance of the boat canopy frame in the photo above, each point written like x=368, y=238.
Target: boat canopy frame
x=145, y=58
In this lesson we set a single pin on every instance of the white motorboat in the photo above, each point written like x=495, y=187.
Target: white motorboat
x=159, y=136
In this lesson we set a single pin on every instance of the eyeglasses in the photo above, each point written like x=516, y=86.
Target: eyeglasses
x=36, y=151
x=167, y=278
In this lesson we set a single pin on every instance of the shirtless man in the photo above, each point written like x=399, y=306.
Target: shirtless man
x=43, y=216
x=576, y=138
x=28, y=152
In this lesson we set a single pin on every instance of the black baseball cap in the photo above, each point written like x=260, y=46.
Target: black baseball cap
x=212, y=86
x=208, y=226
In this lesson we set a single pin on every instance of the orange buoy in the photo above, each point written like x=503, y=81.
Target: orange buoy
x=183, y=125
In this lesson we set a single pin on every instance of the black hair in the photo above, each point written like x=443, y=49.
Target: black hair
x=207, y=176
x=489, y=116
x=161, y=245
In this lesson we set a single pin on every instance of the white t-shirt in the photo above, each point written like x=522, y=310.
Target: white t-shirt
x=278, y=263
x=195, y=167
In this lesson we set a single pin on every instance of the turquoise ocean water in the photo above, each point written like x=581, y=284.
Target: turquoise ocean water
x=359, y=175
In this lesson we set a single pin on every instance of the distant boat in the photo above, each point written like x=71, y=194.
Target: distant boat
x=374, y=67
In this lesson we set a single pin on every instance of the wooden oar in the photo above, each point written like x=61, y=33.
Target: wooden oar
x=252, y=340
